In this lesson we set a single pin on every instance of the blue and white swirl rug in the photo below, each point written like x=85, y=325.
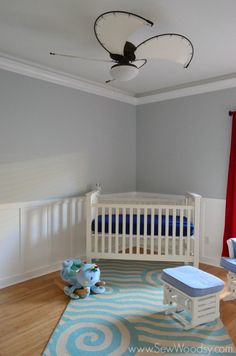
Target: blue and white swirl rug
x=126, y=320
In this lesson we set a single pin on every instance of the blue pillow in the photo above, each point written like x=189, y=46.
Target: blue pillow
x=234, y=247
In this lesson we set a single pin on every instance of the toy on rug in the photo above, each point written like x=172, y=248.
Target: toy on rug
x=83, y=278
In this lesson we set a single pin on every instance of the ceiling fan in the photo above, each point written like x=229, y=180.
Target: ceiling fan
x=113, y=28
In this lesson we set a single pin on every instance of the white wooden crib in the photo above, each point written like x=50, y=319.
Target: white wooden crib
x=143, y=226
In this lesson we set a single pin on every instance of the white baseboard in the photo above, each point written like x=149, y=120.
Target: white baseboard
x=210, y=261
x=6, y=282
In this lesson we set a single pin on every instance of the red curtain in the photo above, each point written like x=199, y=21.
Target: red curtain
x=230, y=209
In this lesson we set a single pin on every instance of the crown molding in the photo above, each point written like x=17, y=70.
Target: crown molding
x=30, y=69
x=207, y=87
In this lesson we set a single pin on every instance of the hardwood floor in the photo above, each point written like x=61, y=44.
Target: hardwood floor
x=29, y=312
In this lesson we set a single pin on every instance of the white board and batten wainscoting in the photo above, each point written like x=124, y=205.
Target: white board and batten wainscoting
x=35, y=237
x=212, y=229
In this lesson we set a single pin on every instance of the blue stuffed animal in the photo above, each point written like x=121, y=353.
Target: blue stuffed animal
x=84, y=278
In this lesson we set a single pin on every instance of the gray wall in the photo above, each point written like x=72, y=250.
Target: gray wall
x=56, y=141
x=183, y=144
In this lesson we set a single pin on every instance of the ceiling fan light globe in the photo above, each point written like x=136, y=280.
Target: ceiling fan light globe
x=124, y=72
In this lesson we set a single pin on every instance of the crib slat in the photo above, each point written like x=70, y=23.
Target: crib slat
x=138, y=232
x=181, y=232
x=152, y=230
x=103, y=230
x=145, y=236
x=123, y=229
x=96, y=231
x=159, y=230
x=110, y=230
x=166, y=231
x=117, y=232
x=131, y=231
x=174, y=233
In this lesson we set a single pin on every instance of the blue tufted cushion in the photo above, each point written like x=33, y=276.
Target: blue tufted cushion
x=228, y=263
x=192, y=281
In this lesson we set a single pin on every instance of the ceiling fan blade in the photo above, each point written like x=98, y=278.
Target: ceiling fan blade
x=83, y=58
x=173, y=47
x=113, y=28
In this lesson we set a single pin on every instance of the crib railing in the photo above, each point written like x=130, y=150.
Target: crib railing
x=116, y=239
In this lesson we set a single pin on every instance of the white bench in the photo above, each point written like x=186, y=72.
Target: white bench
x=194, y=291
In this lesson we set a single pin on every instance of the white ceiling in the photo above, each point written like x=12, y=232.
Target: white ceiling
x=30, y=29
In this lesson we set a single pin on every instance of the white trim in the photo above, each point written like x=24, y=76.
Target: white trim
x=8, y=281
x=188, y=91
x=210, y=261
x=32, y=70
x=39, y=203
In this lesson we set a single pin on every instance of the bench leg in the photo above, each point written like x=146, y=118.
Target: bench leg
x=194, y=305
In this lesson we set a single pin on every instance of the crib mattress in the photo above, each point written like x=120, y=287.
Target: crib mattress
x=228, y=263
x=141, y=230
x=192, y=281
